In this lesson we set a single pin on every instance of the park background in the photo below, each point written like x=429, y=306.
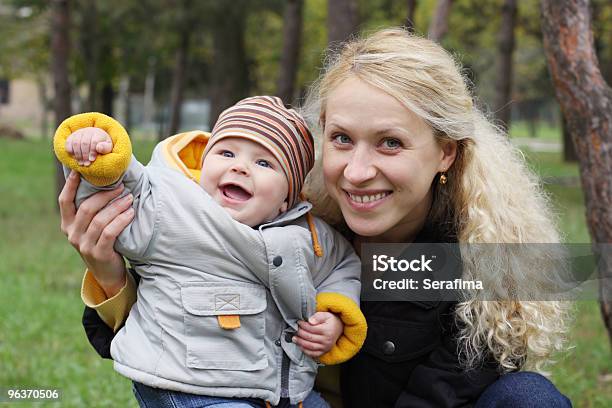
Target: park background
x=161, y=66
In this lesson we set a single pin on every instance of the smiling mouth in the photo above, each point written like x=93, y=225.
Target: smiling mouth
x=235, y=192
x=368, y=198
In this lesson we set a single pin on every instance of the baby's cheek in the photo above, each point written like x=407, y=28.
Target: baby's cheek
x=206, y=184
x=210, y=187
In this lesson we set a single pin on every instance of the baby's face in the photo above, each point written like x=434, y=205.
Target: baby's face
x=246, y=179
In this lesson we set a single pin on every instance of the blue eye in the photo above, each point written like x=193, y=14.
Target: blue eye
x=342, y=139
x=391, y=143
x=263, y=163
x=226, y=153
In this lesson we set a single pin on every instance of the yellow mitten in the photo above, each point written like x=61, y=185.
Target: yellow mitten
x=355, y=327
x=107, y=168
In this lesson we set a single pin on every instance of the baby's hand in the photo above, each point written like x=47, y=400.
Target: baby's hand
x=85, y=145
x=317, y=336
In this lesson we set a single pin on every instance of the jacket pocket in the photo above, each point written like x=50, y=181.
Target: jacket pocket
x=213, y=348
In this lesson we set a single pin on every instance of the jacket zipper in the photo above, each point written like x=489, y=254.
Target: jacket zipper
x=285, y=376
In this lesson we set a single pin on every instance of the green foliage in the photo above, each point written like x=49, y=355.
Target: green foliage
x=24, y=46
x=131, y=35
x=264, y=46
x=376, y=14
x=314, y=42
x=424, y=13
x=602, y=30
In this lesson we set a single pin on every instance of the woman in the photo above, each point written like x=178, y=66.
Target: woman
x=406, y=157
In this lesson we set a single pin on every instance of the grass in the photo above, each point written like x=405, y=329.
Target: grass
x=42, y=343
x=561, y=180
x=551, y=165
x=543, y=130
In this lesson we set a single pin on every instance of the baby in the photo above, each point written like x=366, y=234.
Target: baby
x=228, y=267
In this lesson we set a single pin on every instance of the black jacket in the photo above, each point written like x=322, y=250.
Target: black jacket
x=98, y=333
x=410, y=355
x=409, y=359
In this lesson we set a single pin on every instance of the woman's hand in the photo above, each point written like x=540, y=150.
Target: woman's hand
x=93, y=229
x=319, y=335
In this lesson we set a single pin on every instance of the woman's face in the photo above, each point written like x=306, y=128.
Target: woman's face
x=379, y=161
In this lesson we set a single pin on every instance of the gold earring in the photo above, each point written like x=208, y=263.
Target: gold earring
x=443, y=178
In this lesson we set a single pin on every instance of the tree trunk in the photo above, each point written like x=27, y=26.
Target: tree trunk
x=409, y=24
x=342, y=20
x=178, y=81
x=60, y=52
x=586, y=104
x=505, y=46
x=44, y=106
x=230, y=73
x=569, y=151
x=89, y=42
x=123, y=103
x=108, y=74
x=108, y=97
x=148, y=110
x=439, y=23
x=292, y=34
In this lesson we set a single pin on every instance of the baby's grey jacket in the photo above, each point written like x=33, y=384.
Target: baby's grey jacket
x=196, y=263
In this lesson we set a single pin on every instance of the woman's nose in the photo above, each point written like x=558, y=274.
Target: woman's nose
x=359, y=168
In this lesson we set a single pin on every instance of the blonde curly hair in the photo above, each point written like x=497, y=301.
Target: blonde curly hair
x=492, y=196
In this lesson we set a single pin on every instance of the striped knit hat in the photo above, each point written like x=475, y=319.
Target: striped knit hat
x=283, y=131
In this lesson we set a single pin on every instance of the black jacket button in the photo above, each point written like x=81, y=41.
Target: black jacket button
x=277, y=261
x=277, y=342
x=388, y=348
